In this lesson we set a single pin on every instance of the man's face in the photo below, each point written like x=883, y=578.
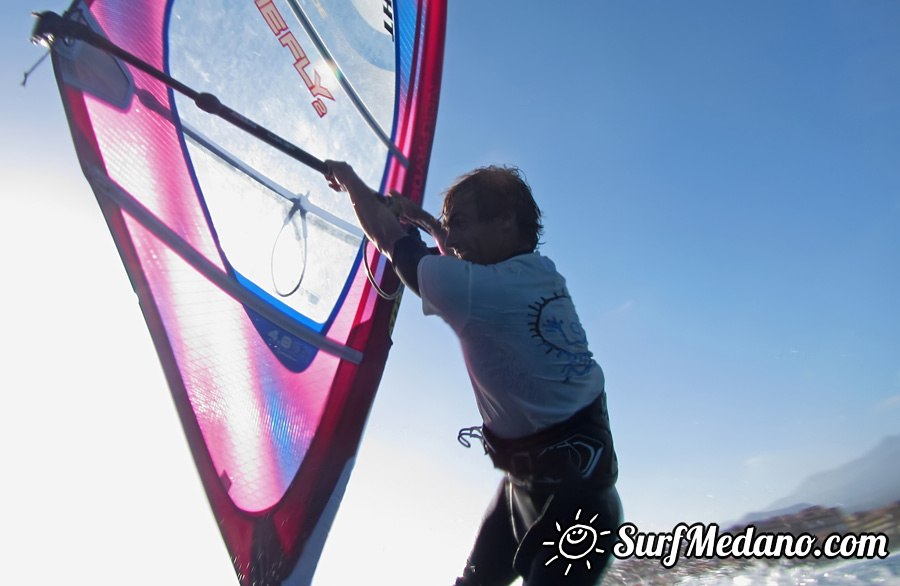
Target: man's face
x=471, y=238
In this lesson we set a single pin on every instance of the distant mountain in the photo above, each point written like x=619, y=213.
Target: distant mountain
x=869, y=482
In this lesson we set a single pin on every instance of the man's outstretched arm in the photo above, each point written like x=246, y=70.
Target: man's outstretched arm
x=377, y=220
x=414, y=214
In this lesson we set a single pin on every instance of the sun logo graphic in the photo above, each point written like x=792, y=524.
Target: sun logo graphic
x=577, y=542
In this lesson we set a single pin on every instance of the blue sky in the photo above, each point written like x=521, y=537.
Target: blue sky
x=721, y=188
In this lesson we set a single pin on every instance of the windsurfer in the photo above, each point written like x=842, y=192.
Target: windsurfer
x=539, y=390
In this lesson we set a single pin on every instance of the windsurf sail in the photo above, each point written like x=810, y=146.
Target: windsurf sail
x=248, y=268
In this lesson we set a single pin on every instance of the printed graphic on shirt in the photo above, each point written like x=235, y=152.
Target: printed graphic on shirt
x=555, y=325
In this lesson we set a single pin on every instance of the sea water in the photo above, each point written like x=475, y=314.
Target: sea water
x=884, y=572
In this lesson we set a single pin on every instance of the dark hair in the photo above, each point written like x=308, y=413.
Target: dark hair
x=498, y=189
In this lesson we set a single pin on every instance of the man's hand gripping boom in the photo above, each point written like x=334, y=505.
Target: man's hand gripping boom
x=381, y=217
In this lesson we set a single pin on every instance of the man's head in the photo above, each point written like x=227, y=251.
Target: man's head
x=490, y=215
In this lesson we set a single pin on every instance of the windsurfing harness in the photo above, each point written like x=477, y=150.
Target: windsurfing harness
x=577, y=450
x=190, y=120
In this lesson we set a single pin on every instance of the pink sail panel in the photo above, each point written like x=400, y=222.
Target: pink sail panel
x=248, y=267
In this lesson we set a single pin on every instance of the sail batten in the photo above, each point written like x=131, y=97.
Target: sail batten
x=345, y=226
x=346, y=82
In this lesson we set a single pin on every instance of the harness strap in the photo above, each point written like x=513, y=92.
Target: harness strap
x=474, y=432
x=579, y=448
